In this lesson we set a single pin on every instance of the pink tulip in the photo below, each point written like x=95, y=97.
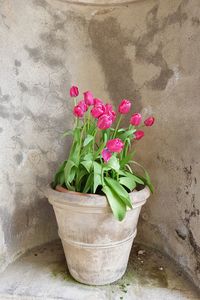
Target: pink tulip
x=74, y=92
x=98, y=110
x=104, y=122
x=109, y=111
x=115, y=145
x=124, y=107
x=97, y=101
x=78, y=112
x=138, y=135
x=106, y=154
x=83, y=106
x=149, y=121
x=136, y=119
x=88, y=98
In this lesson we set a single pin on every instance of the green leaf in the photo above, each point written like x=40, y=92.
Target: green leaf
x=80, y=178
x=89, y=138
x=68, y=132
x=119, y=130
x=97, y=175
x=134, y=178
x=70, y=187
x=148, y=181
x=82, y=172
x=128, y=182
x=62, y=166
x=72, y=174
x=113, y=163
x=97, y=168
x=75, y=153
x=88, y=156
x=59, y=179
x=77, y=134
x=129, y=168
x=119, y=190
x=128, y=140
x=127, y=133
x=99, y=150
x=87, y=164
x=117, y=205
x=67, y=171
x=89, y=183
x=97, y=182
x=126, y=159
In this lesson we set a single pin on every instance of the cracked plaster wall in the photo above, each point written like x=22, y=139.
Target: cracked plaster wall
x=147, y=51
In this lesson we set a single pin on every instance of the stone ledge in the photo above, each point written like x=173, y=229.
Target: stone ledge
x=42, y=274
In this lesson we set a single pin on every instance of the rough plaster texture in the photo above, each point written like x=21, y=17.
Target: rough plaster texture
x=147, y=51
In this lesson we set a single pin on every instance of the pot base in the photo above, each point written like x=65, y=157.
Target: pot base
x=77, y=278
x=97, y=264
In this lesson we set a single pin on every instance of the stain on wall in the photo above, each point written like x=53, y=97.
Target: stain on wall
x=109, y=41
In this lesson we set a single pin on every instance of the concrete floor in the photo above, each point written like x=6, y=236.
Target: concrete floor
x=42, y=274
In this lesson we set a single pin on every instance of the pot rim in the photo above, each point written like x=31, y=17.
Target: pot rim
x=76, y=199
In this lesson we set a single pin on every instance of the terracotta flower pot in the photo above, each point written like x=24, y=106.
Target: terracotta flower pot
x=96, y=245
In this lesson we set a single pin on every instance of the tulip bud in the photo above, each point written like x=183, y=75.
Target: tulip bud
x=124, y=107
x=104, y=122
x=78, y=112
x=135, y=119
x=115, y=145
x=106, y=154
x=74, y=92
x=98, y=110
x=149, y=121
x=138, y=135
x=88, y=98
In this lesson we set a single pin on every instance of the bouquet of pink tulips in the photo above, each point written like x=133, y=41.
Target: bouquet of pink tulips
x=101, y=154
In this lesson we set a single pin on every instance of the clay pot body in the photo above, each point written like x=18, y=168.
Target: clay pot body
x=96, y=245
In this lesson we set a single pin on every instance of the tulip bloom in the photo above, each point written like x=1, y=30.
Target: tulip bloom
x=106, y=154
x=78, y=112
x=149, y=121
x=97, y=101
x=98, y=110
x=74, y=92
x=104, y=122
x=138, y=135
x=109, y=111
x=124, y=107
x=83, y=106
x=136, y=119
x=88, y=98
x=115, y=145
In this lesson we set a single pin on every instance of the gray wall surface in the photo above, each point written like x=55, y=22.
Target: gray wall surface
x=147, y=51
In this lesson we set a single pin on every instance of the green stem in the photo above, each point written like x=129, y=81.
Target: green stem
x=117, y=126
x=93, y=144
x=81, y=138
x=76, y=119
x=89, y=118
x=102, y=173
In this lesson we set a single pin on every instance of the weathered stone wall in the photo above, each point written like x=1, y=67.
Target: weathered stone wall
x=147, y=51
